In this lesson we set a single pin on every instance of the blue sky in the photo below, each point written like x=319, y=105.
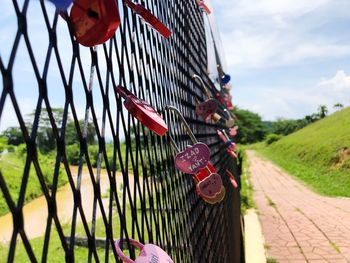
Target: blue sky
x=286, y=57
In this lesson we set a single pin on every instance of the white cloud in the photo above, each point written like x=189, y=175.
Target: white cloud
x=288, y=102
x=270, y=33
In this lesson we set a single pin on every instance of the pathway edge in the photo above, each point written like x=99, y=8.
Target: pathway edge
x=254, y=240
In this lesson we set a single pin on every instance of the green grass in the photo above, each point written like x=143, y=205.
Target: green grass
x=56, y=252
x=12, y=167
x=247, y=188
x=319, y=154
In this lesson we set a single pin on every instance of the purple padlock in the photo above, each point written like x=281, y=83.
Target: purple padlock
x=149, y=253
x=193, y=158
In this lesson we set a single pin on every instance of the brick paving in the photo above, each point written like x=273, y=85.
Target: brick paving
x=298, y=225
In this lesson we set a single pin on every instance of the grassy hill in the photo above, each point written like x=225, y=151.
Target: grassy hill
x=319, y=154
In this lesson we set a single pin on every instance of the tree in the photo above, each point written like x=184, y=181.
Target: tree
x=14, y=136
x=288, y=126
x=71, y=136
x=45, y=138
x=251, y=127
x=322, y=111
x=338, y=106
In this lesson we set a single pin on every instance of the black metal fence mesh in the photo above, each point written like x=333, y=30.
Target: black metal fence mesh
x=127, y=187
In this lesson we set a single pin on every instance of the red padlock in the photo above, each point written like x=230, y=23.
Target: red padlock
x=94, y=21
x=209, y=185
x=149, y=18
x=203, y=6
x=231, y=146
x=232, y=179
x=142, y=111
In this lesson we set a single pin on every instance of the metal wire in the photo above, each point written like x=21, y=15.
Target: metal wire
x=155, y=203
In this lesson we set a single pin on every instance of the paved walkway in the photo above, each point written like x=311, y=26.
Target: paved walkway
x=298, y=225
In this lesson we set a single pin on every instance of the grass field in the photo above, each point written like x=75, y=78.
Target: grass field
x=319, y=154
x=12, y=167
x=56, y=253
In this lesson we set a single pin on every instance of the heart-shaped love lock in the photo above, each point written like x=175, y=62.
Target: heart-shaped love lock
x=142, y=111
x=149, y=253
x=193, y=158
x=147, y=16
x=218, y=197
x=210, y=186
x=217, y=190
x=207, y=108
x=94, y=21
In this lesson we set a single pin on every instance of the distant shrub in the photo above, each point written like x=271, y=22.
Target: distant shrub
x=21, y=150
x=271, y=138
x=73, y=152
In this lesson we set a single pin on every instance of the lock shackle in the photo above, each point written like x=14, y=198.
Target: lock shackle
x=183, y=121
x=195, y=76
x=120, y=252
x=225, y=134
x=229, y=114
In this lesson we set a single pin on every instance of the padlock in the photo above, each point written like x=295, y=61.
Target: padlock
x=228, y=101
x=62, y=4
x=227, y=87
x=225, y=79
x=203, y=7
x=207, y=108
x=230, y=121
x=211, y=194
x=232, y=179
x=149, y=253
x=149, y=18
x=230, y=145
x=193, y=158
x=233, y=131
x=220, y=98
x=142, y=111
x=210, y=186
x=94, y=21
x=218, y=197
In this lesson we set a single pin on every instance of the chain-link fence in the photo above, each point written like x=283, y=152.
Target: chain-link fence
x=100, y=173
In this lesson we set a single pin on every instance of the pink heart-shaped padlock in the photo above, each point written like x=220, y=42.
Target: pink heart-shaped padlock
x=207, y=108
x=149, y=253
x=210, y=186
x=192, y=159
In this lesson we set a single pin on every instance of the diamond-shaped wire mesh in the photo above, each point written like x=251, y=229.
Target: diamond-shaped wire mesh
x=115, y=179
